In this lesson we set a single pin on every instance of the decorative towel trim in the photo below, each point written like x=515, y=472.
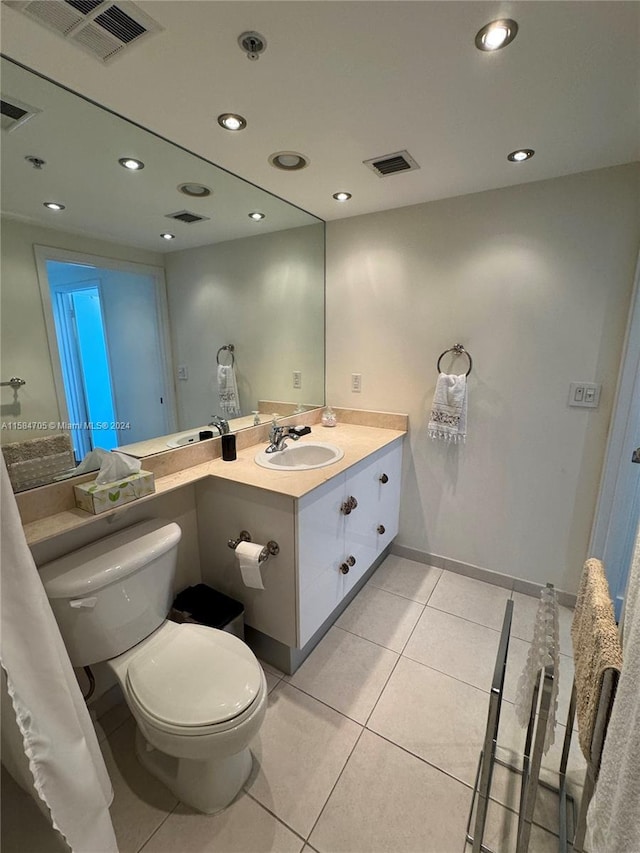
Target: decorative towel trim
x=448, y=418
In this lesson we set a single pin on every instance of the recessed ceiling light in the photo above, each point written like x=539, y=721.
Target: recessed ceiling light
x=195, y=190
x=289, y=161
x=521, y=155
x=232, y=121
x=131, y=164
x=167, y=236
x=497, y=34
x=342, y=196
x=256, y=215
x=53, y=205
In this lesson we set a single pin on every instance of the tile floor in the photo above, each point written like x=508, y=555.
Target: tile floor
x=371, y=747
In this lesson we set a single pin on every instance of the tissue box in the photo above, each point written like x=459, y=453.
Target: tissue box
x=96, y=498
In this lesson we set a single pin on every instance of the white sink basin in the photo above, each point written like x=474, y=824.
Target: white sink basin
x=188, y=438
x=300, y=457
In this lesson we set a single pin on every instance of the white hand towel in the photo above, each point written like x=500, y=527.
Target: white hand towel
x=448, y=419
x=228, y=390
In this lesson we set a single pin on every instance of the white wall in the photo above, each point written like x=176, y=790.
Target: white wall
x=24, y=348
x=262, y=294
x=535, y=281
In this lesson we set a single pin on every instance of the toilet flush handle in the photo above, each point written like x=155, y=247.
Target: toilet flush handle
x=83, y=602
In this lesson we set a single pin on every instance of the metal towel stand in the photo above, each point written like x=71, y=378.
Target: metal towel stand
x=531, y=761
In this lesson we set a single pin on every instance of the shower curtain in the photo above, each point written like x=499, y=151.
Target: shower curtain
x=58, y=737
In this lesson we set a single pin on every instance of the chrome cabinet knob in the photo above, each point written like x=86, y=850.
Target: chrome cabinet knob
x=347, y=506
x=384, y=479
x=381, y=528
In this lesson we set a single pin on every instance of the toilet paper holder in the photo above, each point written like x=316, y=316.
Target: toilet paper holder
x=270, y=549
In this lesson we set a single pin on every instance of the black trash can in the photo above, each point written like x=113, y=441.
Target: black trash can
x=206, y=606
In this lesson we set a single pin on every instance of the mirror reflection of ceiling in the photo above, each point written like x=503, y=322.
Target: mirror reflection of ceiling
x=344, y=81
x=81, y=145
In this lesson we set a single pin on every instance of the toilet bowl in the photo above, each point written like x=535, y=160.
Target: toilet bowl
x=197, y=694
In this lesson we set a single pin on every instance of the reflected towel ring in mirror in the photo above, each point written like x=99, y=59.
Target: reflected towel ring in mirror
x=459, y=350
x=230, y=349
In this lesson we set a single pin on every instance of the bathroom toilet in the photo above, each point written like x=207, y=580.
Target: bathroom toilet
x=198, y=694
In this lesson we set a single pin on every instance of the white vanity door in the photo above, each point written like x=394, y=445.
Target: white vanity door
x=375, y=483
x=320, y=531
x=387, y=482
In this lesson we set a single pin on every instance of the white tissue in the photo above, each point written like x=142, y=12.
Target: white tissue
x=92, y=461
x=117, y=466
x=248, y=554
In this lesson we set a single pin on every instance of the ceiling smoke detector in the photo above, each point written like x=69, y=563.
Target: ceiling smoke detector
x=252, y=43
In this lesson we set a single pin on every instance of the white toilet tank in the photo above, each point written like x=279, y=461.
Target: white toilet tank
x=110, y=595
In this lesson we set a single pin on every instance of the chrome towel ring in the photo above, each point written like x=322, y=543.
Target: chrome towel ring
x=230, y=349
x=459, y=350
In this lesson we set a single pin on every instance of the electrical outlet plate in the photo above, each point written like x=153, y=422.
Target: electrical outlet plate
x=297, y=379
x=183, y=372
x=585, y=395
x=356, y=382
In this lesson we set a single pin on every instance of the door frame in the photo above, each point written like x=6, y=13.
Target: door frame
x=618, y=507
x=43, y=254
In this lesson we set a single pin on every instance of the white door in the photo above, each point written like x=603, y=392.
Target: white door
x=617, y=514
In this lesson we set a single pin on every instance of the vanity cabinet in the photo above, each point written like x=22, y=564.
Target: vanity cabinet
x=342, y=527
x=327, y=540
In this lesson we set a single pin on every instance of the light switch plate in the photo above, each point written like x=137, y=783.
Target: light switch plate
x=585, y=395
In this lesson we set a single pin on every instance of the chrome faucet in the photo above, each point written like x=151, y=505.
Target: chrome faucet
x=279, y=434
x=220, y=424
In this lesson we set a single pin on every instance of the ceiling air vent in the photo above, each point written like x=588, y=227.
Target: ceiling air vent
x=14, y=113
x=392, y=164
x=100, y=27
x=186, y=216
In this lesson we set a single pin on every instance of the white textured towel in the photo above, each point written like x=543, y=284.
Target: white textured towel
x=542, y=652
x=448, y=419
x=613, y=820
x=228, y=391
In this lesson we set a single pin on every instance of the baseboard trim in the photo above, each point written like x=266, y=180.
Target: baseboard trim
x=567, y=599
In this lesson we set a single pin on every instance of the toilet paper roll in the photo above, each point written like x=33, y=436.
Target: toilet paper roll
x=247, y=554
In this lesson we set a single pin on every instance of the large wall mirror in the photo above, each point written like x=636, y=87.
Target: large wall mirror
x=125, y=338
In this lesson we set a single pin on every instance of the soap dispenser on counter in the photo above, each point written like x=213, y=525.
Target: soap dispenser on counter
x=328, y=418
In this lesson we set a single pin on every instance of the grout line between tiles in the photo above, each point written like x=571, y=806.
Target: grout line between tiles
x=336, y=782
x=273, y=814
x=326, y=704
x=117, y=728
x=375, y=704
x=457, y=615
x=442, y=672
x=162, y=822
x=380, y=645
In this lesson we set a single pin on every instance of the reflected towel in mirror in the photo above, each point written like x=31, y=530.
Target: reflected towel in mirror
x=228, y=391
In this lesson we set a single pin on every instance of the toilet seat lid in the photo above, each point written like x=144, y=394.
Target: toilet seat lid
x=195, y=676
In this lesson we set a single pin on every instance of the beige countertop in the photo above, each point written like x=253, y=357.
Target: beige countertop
x=357, y=442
